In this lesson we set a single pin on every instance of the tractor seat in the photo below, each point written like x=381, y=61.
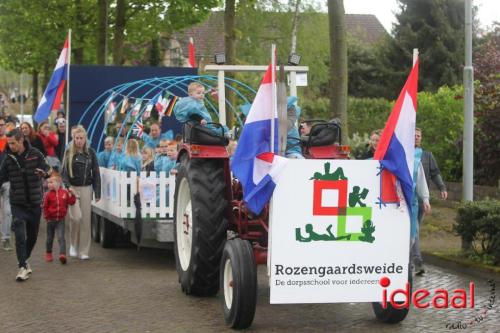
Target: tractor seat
x=201, y=135
x=322, y=134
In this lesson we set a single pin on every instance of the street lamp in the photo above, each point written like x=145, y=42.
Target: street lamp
x=220, y=58
x=294, y=59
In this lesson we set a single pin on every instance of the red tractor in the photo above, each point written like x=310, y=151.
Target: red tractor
x=218, y=241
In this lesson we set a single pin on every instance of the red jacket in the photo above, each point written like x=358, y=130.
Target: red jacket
x=55, y=204
x=49, y=143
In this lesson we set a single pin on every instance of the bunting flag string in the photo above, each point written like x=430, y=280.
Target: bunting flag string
x=138, y=129
x=170, y=106
x=124, y=105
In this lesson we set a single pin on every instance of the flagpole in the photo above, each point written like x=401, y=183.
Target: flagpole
x=274, y=95
x=67, y=86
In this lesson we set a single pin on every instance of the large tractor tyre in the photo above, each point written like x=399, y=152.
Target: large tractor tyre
x=94, y=227
x=107, y=233
x=238, y=281
x=391, y=315
x=200, y=226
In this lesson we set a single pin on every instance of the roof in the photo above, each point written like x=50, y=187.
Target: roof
x=366, y=27
x=209, y=35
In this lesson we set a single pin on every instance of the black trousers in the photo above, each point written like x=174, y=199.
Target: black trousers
x=25, y=224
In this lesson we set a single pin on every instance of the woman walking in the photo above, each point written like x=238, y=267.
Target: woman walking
x=32, y=137
x=81, y=172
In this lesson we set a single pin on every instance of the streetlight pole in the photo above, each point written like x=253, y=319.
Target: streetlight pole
x=468, y=145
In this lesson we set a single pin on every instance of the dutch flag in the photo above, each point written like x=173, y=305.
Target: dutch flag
x=51, y=99
x=192, y=58
x=396, y=148
x=254, y=162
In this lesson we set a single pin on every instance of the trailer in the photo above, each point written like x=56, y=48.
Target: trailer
x=138, y=207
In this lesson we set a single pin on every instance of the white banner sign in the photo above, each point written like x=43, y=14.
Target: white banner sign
x=332, y=239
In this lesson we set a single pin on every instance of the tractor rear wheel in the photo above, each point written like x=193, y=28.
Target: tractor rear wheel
x=391, y=315
x=238, y=281
x=200, y=226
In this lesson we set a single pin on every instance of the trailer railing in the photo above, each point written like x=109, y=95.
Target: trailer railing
x=119, y=187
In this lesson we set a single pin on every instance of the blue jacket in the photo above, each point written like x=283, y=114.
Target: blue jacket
x=189, y=109
x=293, y=137
x=103, y=158
x=164, y=163
x=153, y=143
x=130, y=163
x=114, y=159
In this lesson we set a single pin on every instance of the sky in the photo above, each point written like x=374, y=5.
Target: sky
x=489, y=10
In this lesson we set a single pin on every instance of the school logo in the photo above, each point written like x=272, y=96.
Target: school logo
x=348, y=205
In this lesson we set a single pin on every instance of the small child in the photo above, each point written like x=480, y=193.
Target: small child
x=55, y=207
x=104, y=156
x=172, y=156
x=116, y=155
x=131, y=160
x=192, y=109
x=147, y=159
x=162, y=161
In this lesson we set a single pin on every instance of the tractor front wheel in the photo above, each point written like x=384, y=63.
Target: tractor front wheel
x=390, y=314
x=238, y=280
x=200, y=226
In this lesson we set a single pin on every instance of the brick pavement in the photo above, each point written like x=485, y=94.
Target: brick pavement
x=125, y=290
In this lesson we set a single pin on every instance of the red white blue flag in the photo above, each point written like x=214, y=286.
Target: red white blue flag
x=254, y=162
x=51, y=99
x=396, y=148
x=192, y=58
x=138, y=128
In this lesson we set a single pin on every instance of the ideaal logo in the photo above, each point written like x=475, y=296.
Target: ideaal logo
x=348, y=205
x=440, y=299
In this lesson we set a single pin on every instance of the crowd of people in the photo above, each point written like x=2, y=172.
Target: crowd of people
x=39, y=173
x=138, y=155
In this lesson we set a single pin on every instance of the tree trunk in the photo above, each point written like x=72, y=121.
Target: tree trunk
x=79, y=35
x=34, y=97
x=46, y=75
x=121, y=9
x=102, y=31
x=295, y=26
x=230, y=50
x=338, y=64
x=154, y=52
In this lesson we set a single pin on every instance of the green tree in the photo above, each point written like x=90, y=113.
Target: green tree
x=154, y=52
x=487, y=108
x=436, y=28
x=142, y=20
x=102, y=31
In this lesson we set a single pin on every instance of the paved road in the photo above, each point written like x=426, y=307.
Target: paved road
x=125, y=290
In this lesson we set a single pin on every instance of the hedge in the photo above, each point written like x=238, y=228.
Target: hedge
x=478, y=224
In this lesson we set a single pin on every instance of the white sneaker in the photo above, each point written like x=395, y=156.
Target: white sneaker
x=22, y=275
x=84, y=257
x=72, y=252
x=6, y=245
x=28, y=268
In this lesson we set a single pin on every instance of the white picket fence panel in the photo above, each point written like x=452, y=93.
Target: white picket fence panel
x=118, y=190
